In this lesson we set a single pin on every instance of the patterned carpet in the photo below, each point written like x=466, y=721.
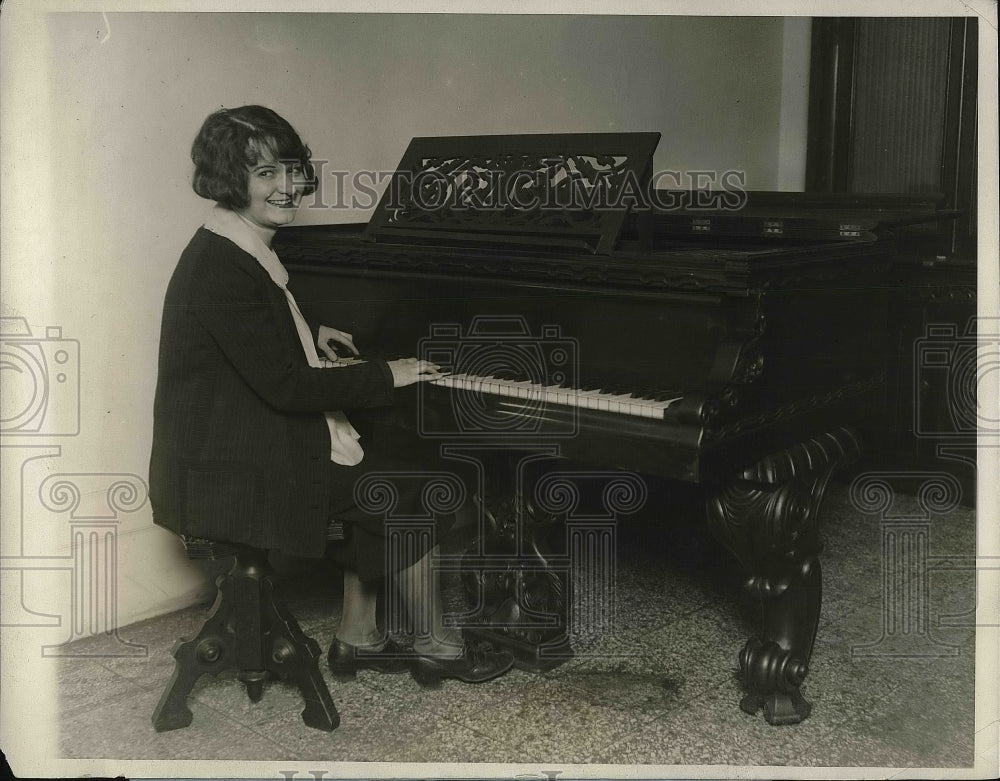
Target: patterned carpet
x=655, y=686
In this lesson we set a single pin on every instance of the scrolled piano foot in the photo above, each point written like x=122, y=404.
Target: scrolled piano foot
x=779, y=709
x=773, y=675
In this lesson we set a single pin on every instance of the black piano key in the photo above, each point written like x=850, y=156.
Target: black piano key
x=508, y=375
x=665, y=395
x=617, y=387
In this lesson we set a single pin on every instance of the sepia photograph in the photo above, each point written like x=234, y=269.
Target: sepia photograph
x=454, y=390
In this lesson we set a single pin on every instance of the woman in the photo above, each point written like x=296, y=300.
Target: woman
x=250, y=441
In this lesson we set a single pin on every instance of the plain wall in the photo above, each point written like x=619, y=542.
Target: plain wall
x=98, y=205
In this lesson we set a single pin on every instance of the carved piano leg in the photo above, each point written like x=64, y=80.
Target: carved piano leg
x=524, y=604
x=768, y=519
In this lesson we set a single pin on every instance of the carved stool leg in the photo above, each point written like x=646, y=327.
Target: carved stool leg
x=211, y=651
x=768, y=519
x=249, y=631
x=294, y=655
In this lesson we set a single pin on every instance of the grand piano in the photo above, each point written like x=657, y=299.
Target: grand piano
x=734, y=341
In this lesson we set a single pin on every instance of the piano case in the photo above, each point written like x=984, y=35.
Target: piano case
x=733, y=341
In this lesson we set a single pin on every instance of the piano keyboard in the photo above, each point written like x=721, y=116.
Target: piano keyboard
x=643, y=404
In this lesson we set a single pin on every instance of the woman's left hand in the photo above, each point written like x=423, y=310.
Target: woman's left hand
x=327, y=335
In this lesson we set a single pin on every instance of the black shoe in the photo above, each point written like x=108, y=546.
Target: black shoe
x=346, y=659
x=475, y=665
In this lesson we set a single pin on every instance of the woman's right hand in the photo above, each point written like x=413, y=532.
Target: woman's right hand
x=406, y=371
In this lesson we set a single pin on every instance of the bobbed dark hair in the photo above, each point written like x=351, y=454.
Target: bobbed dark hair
x=232, y=141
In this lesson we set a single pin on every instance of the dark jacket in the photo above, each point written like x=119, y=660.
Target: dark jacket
x=241, y=450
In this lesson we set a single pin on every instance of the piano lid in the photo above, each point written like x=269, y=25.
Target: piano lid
x=561, y=191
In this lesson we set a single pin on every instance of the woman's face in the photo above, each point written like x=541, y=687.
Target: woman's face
x=275, y=191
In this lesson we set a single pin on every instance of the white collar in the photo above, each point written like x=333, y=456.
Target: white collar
x=228, y=224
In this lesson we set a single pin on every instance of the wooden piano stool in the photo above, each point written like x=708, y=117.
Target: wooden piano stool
x=250, y=630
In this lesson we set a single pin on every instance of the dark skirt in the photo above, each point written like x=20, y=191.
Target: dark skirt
x=396, y=505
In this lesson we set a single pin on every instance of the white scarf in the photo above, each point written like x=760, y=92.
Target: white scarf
x=344, y=447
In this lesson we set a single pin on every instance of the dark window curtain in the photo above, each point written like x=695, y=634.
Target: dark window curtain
x=892, y=110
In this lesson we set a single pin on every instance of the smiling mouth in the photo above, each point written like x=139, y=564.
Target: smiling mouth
x=282, y=203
